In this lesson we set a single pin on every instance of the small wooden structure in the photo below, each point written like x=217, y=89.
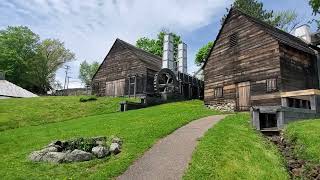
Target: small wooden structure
x=253, y=64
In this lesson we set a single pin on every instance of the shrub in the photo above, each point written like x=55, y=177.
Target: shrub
x=88, y=98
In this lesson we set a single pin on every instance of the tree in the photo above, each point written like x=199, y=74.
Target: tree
x=315, y=4
x=51, y=55
x=87, y=72
x=252, y=8
x=285, y=20
x=203, y=53
x=155, y=46
x=17, y=49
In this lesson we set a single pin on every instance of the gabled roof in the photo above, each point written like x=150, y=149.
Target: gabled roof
x=148, y=58
x=278, y=34
x=9, y=89
x=143, y=55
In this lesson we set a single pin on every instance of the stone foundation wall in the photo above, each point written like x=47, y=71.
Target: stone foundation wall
x=226, y=106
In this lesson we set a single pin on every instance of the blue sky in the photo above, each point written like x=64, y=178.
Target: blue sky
x=89, y=27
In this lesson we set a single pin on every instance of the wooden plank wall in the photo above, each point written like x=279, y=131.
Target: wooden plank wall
x=255, y=59
x=119, y=63
x=298, y=70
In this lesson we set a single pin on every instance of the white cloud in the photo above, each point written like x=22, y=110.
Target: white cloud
x=90, y=27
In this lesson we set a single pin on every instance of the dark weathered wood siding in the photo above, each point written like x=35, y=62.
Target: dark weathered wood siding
x=298, y=70
x=122, y=61
x=255, y=58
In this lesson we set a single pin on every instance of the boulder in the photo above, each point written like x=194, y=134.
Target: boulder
x=78, y=156
x=36, y=156
x=117, y=140
x=115, y=148
x=100, y=151
x=54, y=157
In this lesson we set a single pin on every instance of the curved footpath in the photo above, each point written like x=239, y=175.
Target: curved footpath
x=169, y=157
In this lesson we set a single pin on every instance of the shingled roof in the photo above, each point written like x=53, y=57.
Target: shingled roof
x=8, y=89
x=278, y=34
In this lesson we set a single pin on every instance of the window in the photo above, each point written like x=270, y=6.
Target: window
x=218, y=92
x=272, y=85
x=233, y=40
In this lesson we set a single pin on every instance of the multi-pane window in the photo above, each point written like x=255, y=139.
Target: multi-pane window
x=233, y=40
x=218, y=92
x=272, y=85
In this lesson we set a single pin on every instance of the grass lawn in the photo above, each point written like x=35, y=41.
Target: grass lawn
x=306, y=137
x=233, y=150
x=34, y=111
x=140, y=129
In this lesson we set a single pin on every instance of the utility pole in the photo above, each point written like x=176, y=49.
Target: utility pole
x=68, y=77
x=67, y=68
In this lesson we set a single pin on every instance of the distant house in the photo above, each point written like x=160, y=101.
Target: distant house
x=252, y=63
x=10, y=90
x=126, y=70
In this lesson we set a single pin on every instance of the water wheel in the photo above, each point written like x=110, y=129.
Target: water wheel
x=165, y=81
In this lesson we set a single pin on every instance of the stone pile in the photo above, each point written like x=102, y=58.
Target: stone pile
x=225, y=107
x=77, y=150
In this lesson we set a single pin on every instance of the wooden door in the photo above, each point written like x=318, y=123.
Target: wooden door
x=243, y=96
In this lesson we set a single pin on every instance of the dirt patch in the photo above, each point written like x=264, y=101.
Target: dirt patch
x=298, y=168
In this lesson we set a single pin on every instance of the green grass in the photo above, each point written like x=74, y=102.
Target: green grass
x=20, y=112
x=305, y=135
x=233, y=150
x=139, y=129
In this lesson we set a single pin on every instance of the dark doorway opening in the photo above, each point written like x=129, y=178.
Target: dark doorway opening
x=268, y=121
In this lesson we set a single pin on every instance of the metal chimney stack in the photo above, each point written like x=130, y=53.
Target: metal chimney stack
x=303, y=32
x=182, y=58
x=167, y=57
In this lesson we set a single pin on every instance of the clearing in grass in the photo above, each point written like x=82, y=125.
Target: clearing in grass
x=139, y=129
x=233, y=150
x=20, y=112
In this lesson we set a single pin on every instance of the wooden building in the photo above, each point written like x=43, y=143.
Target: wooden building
x=252, y=63
x=126, y=71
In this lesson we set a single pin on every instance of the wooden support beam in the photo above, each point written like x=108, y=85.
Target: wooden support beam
x=301, y=93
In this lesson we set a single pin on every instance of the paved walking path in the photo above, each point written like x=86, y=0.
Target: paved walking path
x=169, y=157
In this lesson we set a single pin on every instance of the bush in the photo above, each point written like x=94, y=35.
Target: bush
x=88, y=98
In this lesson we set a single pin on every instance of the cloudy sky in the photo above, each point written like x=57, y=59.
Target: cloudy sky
x=89, y=27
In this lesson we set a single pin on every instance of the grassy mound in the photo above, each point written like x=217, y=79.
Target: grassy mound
x=305, y=135
x=139, y=129
x=20, y=112
x=233, y=150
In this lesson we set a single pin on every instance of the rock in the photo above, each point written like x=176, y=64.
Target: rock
x=296, y=172
x=100, y=151
x=78, y=156
x=54, y=157
x=36, y=156
x=115, y=148
x=117, y=140
x=100, y=138
x=100, y=143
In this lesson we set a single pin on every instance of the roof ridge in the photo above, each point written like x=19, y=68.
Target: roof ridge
x=136, y=48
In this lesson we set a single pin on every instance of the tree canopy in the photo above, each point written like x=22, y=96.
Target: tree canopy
x=202, y=53
x=29, y=62
x=315, y=4
x=155, y=46
x=87, y=72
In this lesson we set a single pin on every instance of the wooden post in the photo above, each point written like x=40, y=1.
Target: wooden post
x=135, y=86
x=129, y=86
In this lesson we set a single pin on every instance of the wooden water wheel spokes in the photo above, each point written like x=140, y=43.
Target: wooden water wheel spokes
x=165, y=81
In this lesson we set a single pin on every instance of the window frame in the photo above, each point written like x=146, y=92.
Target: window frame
x=271, y=85
x=218, y=92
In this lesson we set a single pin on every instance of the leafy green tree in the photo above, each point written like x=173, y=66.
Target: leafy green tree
x=202, y=53
x=315, y=4
x=253, y=8
x=285, y=20
x=155, y=46
x=87, y=72
x=51, y=55
x=17, y=49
